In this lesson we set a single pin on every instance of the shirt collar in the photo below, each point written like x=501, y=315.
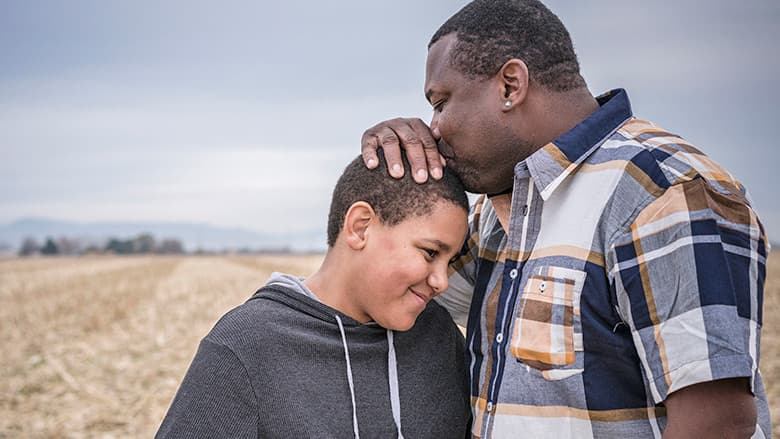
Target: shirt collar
x=551, y=164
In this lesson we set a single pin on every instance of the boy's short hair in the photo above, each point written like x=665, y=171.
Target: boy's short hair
x=393, y=199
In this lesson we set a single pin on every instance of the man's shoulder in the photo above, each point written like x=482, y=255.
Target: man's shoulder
x=640, y=145
x=661, y=159
x=666, y=178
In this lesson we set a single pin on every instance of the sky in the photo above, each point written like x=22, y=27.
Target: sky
x=244, y=113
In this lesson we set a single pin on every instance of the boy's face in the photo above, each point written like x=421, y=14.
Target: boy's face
x=405, y=265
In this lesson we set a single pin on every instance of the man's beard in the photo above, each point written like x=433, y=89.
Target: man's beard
x=468, y=172
x=490, y=176
x=468, y=176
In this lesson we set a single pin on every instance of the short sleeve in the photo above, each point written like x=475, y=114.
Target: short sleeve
x=215, y=398
x=688, y=276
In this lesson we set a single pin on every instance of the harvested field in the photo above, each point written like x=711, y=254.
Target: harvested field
x=96, y=347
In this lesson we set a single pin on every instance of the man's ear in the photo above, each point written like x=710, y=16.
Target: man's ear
x=356, y=222
x=513, y=79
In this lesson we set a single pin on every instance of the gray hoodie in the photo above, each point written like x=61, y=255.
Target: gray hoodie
x=285, y=365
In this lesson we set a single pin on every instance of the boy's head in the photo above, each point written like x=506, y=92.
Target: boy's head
x=391, y=241
x=394, y=200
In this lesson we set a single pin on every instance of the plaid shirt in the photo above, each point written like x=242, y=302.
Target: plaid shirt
x=634, y=266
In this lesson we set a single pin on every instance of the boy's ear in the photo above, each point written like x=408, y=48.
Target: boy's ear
x=359, y=216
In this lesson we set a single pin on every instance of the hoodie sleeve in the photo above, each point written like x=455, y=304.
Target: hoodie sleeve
x=215, y=400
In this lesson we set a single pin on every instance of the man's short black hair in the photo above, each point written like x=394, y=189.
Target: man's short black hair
x=491, y=32
x=394, y=200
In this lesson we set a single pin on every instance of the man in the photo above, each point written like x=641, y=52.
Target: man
x=613, y=277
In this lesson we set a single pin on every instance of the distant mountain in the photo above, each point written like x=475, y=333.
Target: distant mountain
x=192, y=235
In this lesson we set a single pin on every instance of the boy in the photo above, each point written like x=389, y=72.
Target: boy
x=358, y=348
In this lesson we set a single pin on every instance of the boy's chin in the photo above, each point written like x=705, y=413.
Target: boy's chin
x=400, y=325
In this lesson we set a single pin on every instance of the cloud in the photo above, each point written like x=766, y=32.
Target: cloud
x=221, y=161
x=245, y=113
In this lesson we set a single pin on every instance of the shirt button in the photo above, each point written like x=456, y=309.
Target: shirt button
x=513, y=273
x=542, y=286
x=490, y=407
x=499, y=337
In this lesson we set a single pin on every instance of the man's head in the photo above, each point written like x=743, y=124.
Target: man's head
x=491, y=32
x=500, y=75
x=391, y=241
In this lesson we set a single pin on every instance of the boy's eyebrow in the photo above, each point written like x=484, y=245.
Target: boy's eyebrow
x=440, y=244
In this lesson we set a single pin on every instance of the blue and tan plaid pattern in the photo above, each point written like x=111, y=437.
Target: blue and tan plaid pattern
x=545, y=329
x=633, y=266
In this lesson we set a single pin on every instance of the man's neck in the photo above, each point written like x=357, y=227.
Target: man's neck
x=556, y=113
x=502, y=205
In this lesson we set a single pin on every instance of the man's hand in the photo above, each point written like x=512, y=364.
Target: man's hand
x=716, y=409
x=414, y=136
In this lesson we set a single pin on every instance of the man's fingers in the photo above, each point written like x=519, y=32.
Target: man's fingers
x=431, y=156
x=391, y=146
x=382, y=136
x=412, y=135
x=413, y=146
x=368, y=146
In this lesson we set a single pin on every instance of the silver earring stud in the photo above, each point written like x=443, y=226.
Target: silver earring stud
x=508, y=104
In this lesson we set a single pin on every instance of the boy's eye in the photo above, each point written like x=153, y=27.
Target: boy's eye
x=438, y=105
x=431, y=253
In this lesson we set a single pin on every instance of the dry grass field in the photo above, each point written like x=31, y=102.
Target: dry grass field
x=96, y=347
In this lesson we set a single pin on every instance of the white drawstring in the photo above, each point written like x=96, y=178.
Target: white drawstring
x=349, y=378
x=392, y=379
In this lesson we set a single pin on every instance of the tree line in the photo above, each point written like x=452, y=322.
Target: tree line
x=142, y=244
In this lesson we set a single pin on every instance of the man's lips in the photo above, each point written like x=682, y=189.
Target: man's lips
x=445, y=150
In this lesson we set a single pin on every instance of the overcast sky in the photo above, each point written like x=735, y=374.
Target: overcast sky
x=243, y=113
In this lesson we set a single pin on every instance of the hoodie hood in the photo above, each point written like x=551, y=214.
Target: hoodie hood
x=291, y=283
x=291, y=286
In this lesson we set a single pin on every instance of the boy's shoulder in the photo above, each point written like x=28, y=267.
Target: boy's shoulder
x=251, y=320
x=434, y=312
x=435, y=322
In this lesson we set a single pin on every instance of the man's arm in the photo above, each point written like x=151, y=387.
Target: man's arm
x=716, y=409
x=412, y=135
x=688, y=275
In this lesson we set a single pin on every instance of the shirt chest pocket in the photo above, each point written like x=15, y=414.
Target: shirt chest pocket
x=547, y=330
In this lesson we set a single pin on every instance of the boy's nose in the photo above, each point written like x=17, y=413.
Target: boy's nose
x=438, y=280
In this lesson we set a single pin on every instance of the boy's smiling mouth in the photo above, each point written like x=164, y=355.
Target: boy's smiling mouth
x=425, y=299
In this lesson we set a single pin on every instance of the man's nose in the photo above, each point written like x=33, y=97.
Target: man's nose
x=435, y=126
